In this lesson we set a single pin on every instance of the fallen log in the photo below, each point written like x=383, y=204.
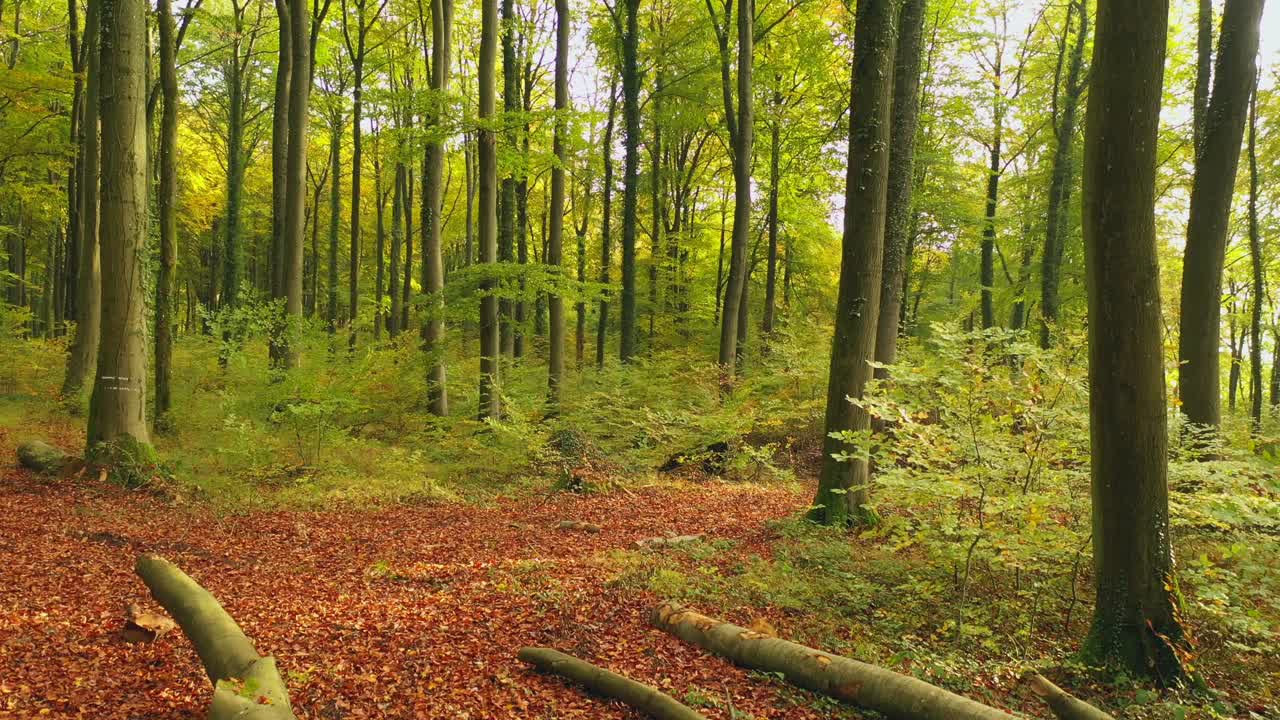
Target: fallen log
x=246, y=686
x=868, y=686
x=42, y=457
x=1064, y=705
x=639, y=696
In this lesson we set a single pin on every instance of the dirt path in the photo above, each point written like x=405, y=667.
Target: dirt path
x=397, y=613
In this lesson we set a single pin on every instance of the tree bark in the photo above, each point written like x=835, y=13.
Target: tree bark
x=296, y=171
x=1136, y=620
x=84, y=347
x=507, y=203
x=1211, y=192
x=1061, y=179
x=741, y=135
x=606, y=223
x=775, y=175
x=246, y=686
x=902, y=141
x=165, y=209
x=842, y=486
x=1204, y=75
x=397, y=238
x=1255, y=255
x=117, y=429
x=1063, y=705
x=490, y=388
x=335, y=205
x=280, y=177
x=867, y=686
x=630, y=173
x=432, y=206
x=639, y=696
x=555, y=236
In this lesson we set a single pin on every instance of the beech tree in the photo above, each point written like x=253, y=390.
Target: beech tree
x=1136, y=622
x=1212, y=189
x=843, y=495
x=118, y=431
x=490, y=392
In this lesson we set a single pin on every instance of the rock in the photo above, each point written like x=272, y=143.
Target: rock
x=42, y=457
x=656, y=543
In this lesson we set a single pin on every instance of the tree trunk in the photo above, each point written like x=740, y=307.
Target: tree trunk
x=1135, y=622
x=296, y=171
x=1204, y=75
x=253, y=688
x=507, y=203
x=381, y=247
x=741, y=134
x=117, y=430
x=432, y=225
x=1255, y=254
x=867, y=686
x=987, y=272
x=555, y=237
x=606, y=224
x=233, y=254
x=639, y=696
x=165, y=208
x=655, y=200
x=335, y=206
x=1057, y=221
x=630, y=172
x=842, y=487
x=902, y=141
x=490, y=388
x=771, y=270
x=84, y=347
x=280, y=177
x=397, y=237
x=1211, y=193
x=1064, y=706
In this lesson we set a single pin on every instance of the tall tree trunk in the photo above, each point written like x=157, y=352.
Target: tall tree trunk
x=432, y=225
x=490, y=387
x=165, y=207
x=380, y=250
x=771, y=271
x=356, y=51
x=1255, y=254
x=507, y=205
x=406, y=289
x=1135, y=621
x=280, y=177
x=233, y=255
x=630, y=173
x=555, y=238
x=117, y=431
x=655, y=201
x=71, y=253
x=1235, y=344
x=296, y=170
x=1204, y=75
x=843, y=494
x=741, y=134
x=84, y=347
x=902, y=143
x=397, y=237
x=987, y=272
x=606, y=224
x=1061, y=179
x=1211, y=193
x=335, y=206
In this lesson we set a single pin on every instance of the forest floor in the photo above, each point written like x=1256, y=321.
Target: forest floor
x=413, y=611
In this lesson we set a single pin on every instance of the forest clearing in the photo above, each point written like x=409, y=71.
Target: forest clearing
x=677, y=359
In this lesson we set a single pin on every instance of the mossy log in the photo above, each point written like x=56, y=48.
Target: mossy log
x=42, y=457
x=867, y=686
x=1064, y=705
x=246, y=685
x=646, y=699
